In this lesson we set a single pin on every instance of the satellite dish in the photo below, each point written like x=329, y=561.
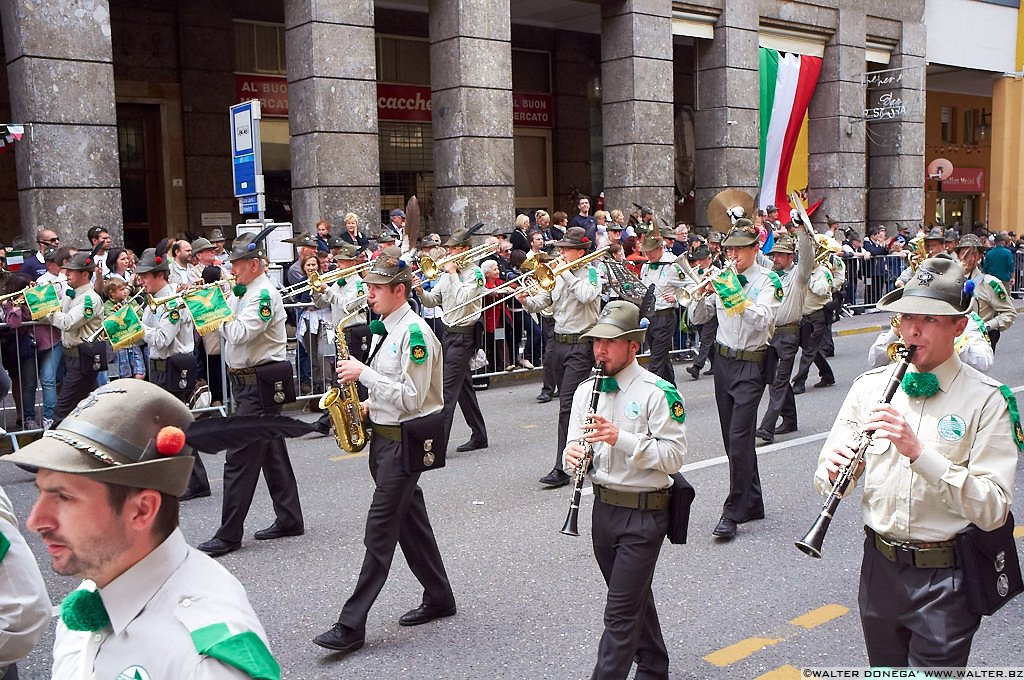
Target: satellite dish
x=940, y=169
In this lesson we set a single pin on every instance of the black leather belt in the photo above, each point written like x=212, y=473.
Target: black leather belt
x=666, y=312
x=757, y=356
x=934, y=555
x=641, y=500
x=568, y=338
x=459, y=330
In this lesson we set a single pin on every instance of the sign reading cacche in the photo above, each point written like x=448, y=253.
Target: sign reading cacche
x=408, y=103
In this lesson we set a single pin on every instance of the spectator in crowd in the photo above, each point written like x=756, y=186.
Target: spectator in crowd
x=353, y=234
x=494, y=320
x=119, y=265
x=520, y=236
x=583, y=219
x=602, y=238
x=307, y=329
x=323, y=236
x=35, y=265
x=100, y=237
x=856, y=258
x=999, y=261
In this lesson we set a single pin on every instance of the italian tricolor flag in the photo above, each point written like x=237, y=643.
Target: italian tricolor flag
x=787, y=83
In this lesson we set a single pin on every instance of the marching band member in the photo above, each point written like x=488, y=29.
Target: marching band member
x=745, y=304
x=700, y=261
x=459, y=284
x=404, y=383
x=989, y=300
x=638, y=440
x=943, y=456
x=668, y=280
x=261, y=378
x=575, y=301
x=169, y=334
x=80, y=317
x=786, y=337
x=813, y=329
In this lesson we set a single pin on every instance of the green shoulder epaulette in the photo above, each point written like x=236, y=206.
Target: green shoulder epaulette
x=997, y=286
x=266, y=311
x=777, y=284
x=5, y=545
x=592, y=273
x=479, y=274
x=244, y=651
x=417, y=345
x=675, y=402
x=1011, y=405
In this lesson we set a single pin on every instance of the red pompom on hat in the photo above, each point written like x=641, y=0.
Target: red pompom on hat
x=158, y=259
x=586, y=240
x=170, y=440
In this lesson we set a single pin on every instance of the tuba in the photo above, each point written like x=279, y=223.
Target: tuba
x=342, y=403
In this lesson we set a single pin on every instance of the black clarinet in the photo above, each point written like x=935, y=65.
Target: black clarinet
x=810, y=544
x=571, y=528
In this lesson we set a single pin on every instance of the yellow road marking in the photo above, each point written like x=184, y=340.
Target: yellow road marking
x=864, y=329
x=819, y=616
x=744, y=648
x=740, y=650
x=349, y=456
x=781, y=673
x=1018, y=531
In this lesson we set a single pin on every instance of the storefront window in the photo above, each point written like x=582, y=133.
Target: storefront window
x=403, y=60
x=259, y=47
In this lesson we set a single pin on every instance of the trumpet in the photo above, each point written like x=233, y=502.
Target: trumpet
x=571, y=526
x=154, y=302
x=694, y=292
x=542, y=278
x=15, y=299
x=317, y=282
x=810, y=544
x=431, y=270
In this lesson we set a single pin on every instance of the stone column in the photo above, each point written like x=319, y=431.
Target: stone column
x=332, y=112
x=726, y=119
x=59, y=63
x=1007, y=176
x=636, y=86
x=471, y=90
x=896, y=147
x=836, y=165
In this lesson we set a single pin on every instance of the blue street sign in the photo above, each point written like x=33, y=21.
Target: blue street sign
x=248, y=204
x=244, y=172
x=246, y=166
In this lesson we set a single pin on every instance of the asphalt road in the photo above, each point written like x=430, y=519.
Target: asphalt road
x=530, y=599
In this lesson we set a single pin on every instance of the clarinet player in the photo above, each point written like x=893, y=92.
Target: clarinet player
x=639, y=439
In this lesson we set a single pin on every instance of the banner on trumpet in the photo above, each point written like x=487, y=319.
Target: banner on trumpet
x=208, y=308
x=123, y=327
x=42, y=300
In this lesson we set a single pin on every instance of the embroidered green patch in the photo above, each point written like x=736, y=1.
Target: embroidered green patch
x=592, y=274
x=87, y=308
x=417, y=345
x=675, y=402
x=173, y=314
x=266, y=311
x=998, y=288
x=1011, y=405
x=777, y=284
x=5, y=545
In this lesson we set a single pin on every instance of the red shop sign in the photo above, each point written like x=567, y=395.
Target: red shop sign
x=533, y=110
x=965, y=181
x=403, y=102
x=272, y=91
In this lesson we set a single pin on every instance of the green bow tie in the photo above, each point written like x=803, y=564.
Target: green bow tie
x=609, y=385
x=655, y=265
x=920, y=384
x=341, y=282
x=238, y=289
x=83, y=610
x=742, y=280
x=377, y=327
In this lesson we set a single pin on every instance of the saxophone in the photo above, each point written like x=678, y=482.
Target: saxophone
x=342, y=402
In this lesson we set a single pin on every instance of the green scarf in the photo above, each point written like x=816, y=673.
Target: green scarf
x=609, y=385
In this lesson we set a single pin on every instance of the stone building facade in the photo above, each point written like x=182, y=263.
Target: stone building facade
x=653, y=102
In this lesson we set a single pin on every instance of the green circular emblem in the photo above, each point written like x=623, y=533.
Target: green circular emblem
x=677, y=409
x=632, y=409
x=174, y=316
x=419, y=352
x=265, y=312
x=134, y=673
x=952, y=428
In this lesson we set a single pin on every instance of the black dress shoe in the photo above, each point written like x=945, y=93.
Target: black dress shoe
x=425, y=614
x=470, y=446
x=275, y=530
x=543, y=398
x=764, y=434
x=555, y=479
x=799, y=388
x=194, y=493
x=726, y=529
x=710, y=371
x=694, y=372
x=751, y=518
x=785, y=428
x=825, y=383
x=216, y=547
x=340, y=639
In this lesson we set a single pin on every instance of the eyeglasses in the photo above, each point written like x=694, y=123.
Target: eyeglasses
x=51, y=241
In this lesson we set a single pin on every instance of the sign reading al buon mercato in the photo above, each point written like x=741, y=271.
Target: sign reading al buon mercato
x=410, y=103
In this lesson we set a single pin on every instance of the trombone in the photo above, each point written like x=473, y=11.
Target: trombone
x=318, y=282
x=431, y=270
x=542, y=278
x=154, y=302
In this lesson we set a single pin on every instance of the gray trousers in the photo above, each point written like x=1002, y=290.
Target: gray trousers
x=781, y=401
x=738, y=388
x=459, y=348
x=547, y=325
x=912, y=616
x=397, y=516
x=75, y=387
x=659, y=339
x=570, y=365
x=627, y=544
x=198, y=480
x=812, y=337
x=708, y=332
x=242, y=469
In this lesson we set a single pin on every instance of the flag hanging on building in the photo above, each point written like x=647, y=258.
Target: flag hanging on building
x=9, y=134
x=787, y=83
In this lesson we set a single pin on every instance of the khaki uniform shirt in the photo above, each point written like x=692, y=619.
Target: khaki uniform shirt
x=838, y=272
x=164, y=336
x=794, y=282
x=668, y=279
x=453, y=290
x=651, y=443
x=819, y=289
x=25, y=609
x=996, y=310
x=340, y=299
x=750, y=330
x=154, y=608
x=72, y=321
x=249, y=339
x=965, y=473
x=575, y=300
x=399, y=388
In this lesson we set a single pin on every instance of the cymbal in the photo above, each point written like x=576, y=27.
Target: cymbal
x=724, y=200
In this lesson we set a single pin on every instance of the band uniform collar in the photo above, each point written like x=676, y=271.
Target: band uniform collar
x=392, y=320
x=946, y=372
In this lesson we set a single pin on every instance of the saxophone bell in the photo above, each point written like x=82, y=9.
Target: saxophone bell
x=342, y=402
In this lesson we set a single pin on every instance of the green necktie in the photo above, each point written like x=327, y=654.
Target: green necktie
x=609, y=385
x=742, y=279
